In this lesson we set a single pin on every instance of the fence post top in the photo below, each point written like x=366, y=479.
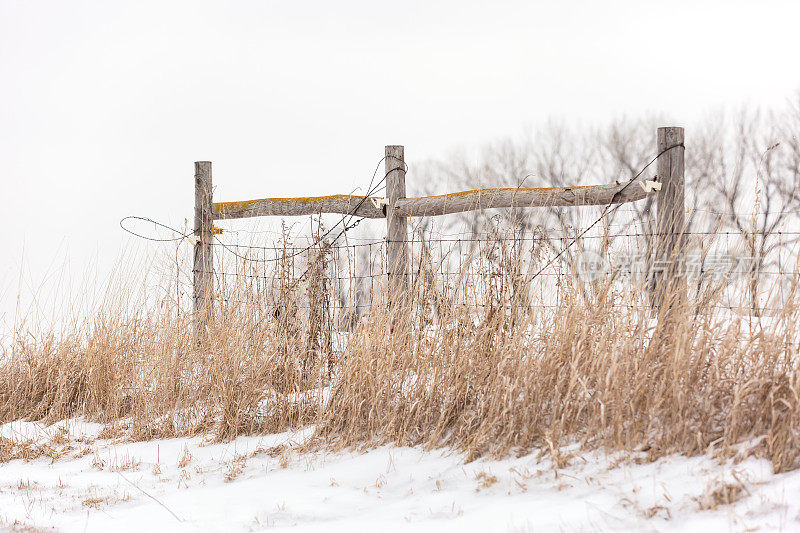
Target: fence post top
x=670, y=135
x=675, y=130
x=395, y=151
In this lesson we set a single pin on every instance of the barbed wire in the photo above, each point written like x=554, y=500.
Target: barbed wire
x=571, y=232
x=370, y=191
x=426, y=246
x=516, y=305
x=346, y=226
x=159, y=224
x=605, y=210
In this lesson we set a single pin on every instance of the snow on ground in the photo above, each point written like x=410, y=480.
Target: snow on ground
x=84, y=483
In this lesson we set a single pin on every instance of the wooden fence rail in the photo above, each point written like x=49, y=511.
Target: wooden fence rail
x=426, y=206
x=396, y=208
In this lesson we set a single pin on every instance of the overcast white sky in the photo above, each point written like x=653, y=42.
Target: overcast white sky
x=104, y=106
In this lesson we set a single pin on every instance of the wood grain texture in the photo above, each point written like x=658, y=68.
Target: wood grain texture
x=203, y=258
x=396, y=227
x=459, y=202
x=670, y=216
x=343, y=204
x=444, y=204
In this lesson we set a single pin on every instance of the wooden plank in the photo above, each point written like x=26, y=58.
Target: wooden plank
x=396, y=229
x=203, y=258
x=343, y=204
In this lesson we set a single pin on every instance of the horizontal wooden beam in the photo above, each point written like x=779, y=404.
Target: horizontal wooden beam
x=479, y=199
x=459, y=202
x=444, y=204
x=343, y=204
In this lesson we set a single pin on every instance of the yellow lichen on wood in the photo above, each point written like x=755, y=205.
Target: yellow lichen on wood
x=471, y=200
x=338, y=203
x=221, y=207
x=493, y=191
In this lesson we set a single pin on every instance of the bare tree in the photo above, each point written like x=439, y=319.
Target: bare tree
x=752, y=190
x=726, y=169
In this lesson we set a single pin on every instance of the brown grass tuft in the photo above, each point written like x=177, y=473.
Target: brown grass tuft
x=475, y=366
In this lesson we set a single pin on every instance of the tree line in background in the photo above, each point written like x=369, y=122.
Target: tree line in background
x=742, y=186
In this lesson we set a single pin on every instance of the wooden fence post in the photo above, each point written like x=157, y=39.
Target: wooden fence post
x=668, y=279
x=203, y=259
x=396, y=229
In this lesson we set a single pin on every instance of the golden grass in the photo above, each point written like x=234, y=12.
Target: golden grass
x=498, y=379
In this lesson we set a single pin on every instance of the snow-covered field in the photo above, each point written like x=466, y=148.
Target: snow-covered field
x=83, y=483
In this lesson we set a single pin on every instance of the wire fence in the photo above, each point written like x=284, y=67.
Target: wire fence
x=494, y=263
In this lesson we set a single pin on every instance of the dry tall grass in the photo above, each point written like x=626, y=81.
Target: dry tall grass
x=503, y=377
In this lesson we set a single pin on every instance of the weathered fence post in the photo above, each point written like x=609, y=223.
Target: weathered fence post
x=668, y=280
x=396, y=229
x=203, y=259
